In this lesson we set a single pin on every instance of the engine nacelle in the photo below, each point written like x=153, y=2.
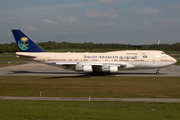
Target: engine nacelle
x=87, y=69
x=111, y=69
x=84, y=68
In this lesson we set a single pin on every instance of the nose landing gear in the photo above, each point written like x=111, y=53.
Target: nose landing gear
x=157, y=73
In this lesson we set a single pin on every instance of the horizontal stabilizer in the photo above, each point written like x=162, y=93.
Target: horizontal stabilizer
x=26, y=56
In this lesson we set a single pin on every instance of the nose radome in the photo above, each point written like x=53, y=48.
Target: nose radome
x=174, y=60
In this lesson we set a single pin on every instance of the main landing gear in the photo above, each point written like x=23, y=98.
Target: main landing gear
x=97, y=72
x=157, y=73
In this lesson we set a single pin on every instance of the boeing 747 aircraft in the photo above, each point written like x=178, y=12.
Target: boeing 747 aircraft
x=93, y=62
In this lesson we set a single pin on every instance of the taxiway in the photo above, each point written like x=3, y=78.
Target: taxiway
x=90, y=99
x=38, y=69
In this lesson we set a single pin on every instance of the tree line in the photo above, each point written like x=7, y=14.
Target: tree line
x=12, y=47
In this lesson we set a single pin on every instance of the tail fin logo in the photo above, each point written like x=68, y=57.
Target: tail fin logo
x=23, y=43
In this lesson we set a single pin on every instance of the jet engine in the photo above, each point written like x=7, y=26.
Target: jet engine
x=84, y=68
x=111, y=69
x=87, y=69
x=114, y=69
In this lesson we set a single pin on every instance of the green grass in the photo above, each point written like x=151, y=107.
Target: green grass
x=66, y=50
x=172, y=52
x=87, y=50
x=81, y=50
x=178, y=62
x=98, y=50
x=85, y=86
x=68, y=110
x=7, y=54
x=10, y=59
x=176, y=56
x=5, y=64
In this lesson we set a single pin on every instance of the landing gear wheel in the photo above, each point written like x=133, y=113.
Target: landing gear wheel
x=157, y=73
x=97, y=72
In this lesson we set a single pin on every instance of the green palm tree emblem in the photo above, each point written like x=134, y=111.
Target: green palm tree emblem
x=23, y=45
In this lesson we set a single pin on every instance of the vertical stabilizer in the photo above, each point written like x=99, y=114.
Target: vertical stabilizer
x=24, y=43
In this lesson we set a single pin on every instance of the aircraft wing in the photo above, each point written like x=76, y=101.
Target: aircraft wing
x=100, y=64
x=116, y=64
x=67, y=64
x=62, y=63
x=88, y=63
x=89, y=66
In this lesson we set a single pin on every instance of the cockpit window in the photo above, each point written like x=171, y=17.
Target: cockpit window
x=163, y=53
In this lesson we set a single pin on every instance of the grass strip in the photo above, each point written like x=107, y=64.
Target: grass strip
x=5, y=64
x=172, y=52
x=7, y=54
x=82, y=50
x=176, y=56
x=177, y=63
x=98, y=50
x=76, y=110
x=85, y=86
x=10, y=59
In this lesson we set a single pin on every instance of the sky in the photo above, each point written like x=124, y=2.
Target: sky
x=134, y=22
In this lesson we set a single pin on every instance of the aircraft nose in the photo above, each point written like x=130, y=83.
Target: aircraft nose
x=175, y=61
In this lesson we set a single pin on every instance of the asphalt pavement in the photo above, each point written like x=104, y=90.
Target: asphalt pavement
x=38, y=69
x=90, y=99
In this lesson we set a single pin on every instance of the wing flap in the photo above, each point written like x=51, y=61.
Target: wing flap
x=84, y=64
x=66, y=64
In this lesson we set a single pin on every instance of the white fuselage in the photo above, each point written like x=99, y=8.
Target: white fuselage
x=130, y=59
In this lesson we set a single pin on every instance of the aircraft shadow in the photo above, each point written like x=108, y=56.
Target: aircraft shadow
x=81, y=74
x=142, y=73
x=73, y=74
x=26, y=72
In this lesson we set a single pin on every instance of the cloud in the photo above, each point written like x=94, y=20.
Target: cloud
x=106, y=2
x=147, y=10
x=146, y=23
x=70, y=19
x=47, y=21
x=12, y=20
x=128, y=1
x=174, y=6
x=30, y=28
x=111, y=13
x=108, y=24
x=65, y=6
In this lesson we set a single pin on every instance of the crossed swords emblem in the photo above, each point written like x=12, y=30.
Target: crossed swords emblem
x=24, y=40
